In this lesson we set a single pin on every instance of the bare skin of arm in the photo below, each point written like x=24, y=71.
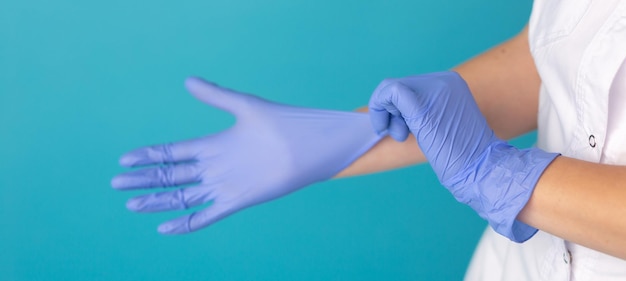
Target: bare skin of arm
x=582, y=202
x=508, y=102
x=579, y=201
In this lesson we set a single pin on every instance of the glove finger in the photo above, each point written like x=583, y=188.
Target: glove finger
x=382, y=108
x=179, y=199
x=196, y=220
x=216, y=96
x=399, y=101
x=163, y=176
x=162, y=154
x=379, y=120
x=398, y=129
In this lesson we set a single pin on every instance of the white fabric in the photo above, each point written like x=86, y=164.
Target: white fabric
x=614, y=152
x=579, y=48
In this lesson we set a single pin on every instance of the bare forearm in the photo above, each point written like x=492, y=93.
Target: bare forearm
x=386, y=155
x=504, y=83
x=582, y=202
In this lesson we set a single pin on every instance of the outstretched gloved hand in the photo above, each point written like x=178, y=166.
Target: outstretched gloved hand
x=272, y=150
x=491, y=176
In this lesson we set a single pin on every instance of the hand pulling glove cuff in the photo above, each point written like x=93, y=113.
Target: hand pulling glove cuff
x=479, y=169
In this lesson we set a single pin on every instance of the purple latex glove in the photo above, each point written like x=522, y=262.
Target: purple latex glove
x=272, y=150
x=480, y=170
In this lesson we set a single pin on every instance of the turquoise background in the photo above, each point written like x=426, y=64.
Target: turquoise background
x=81, y=82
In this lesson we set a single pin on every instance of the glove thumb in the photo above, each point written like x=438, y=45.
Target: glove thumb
x=214, y=95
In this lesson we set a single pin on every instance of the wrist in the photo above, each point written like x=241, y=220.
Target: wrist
x=499, y=184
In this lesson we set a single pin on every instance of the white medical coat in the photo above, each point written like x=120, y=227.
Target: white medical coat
x=579, y=48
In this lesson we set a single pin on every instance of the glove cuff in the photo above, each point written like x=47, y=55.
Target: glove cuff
x=499, y=185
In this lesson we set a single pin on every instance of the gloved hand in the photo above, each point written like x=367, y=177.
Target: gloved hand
x=491, y=176
x=272, y=150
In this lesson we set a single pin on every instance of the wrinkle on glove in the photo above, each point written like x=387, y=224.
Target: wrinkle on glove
x=271, y=151
x=480, y=170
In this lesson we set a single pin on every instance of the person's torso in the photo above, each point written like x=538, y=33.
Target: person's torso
x=579, y=49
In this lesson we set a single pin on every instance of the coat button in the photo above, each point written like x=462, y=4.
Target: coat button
x=592, y=141
x=567, y=257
